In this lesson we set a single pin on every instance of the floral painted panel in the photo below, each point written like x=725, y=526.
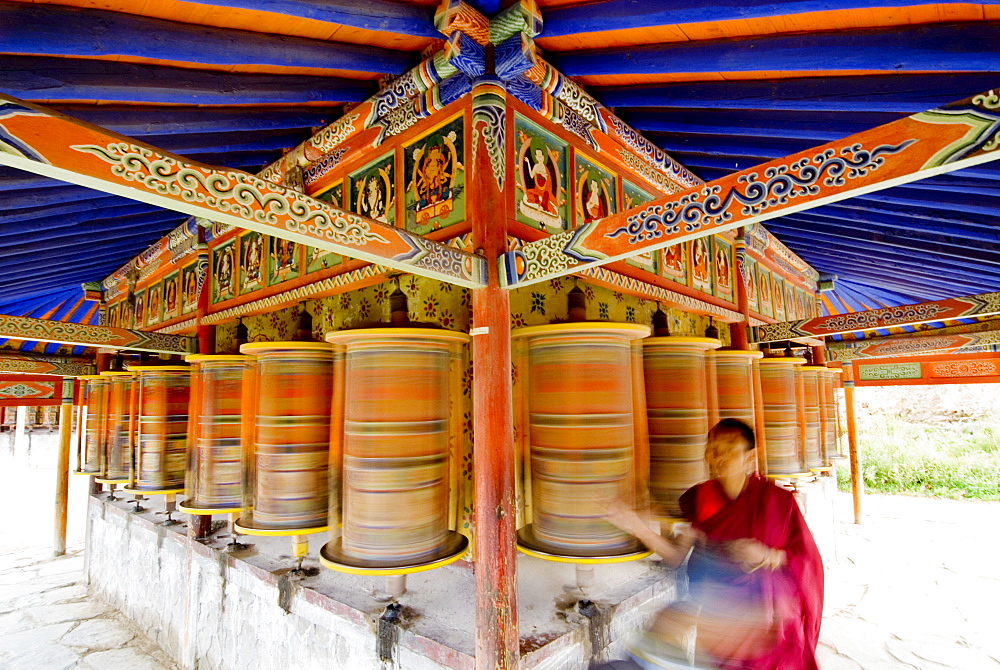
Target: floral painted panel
x=373, y=190
x=223, y=272
x=434, y=167
x=540, y=178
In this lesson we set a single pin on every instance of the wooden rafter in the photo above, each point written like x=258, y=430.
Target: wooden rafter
x=46, y=365
x=985, y=304
x=45, y=142
x=940, y=140
x=894, y=346
x=62, y=332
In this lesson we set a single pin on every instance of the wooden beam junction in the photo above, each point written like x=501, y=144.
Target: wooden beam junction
x=937, y=141
x=895, y=346
x=62, y=332
x=46, y=142
x=984, y=304
x=40, y=364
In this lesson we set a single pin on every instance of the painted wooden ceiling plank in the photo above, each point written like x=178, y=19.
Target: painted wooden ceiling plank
x=947, y=276
x=888, y=227
x=45, y=142
x=139, y=122
x=43, y=330
x=84, y=223
x=923, y=145
x=68, y=79
x=955, y=47
x=61, y=31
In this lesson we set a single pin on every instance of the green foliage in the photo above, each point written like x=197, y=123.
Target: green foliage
x=945, y=458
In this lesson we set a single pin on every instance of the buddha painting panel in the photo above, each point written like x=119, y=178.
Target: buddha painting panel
x=540, y=178
x=435, y=178
x=373, y=190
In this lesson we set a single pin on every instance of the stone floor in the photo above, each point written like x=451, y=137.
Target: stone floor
x=916, y=585
x=48, y=621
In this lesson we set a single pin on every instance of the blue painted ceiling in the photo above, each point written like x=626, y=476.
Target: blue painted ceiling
x=719, y=84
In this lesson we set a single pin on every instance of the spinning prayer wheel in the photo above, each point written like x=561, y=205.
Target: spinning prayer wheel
x=285, y=460
x=215, y=456
x=117, y=453
x=582, y=421
x=9, y=417
x=810, y=378
x=779, y=384
x=50, y=416
x=734, y=375
x=677, y=405
x=829, y=380
x=95, y=410
x=397, y=473
x=160, y=453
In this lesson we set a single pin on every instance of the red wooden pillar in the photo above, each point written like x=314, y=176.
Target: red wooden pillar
x=497, y=646
x=738, y=332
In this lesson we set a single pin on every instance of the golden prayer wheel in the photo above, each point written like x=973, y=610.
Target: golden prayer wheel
x=396, y=470
x=811, y=377
x=677, y=406
x=582, y=420
x=215, y=458
x=117, y=455
x=829, y=379
x=160, y=452
x=734, y=375
x=778, y=383
x=285, y=462
x=95, y=393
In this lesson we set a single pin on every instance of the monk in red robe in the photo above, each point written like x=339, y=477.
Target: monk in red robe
x=755, y=574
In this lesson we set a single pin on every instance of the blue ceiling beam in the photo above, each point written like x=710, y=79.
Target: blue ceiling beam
x=229, y=143
x=909, y=263
x=956, y=202
x=47, y=30
x=95, y=207
x=378, y=15
x=22, y=307
x=761, y=150
x=903, y=94
x=921, y=217
x=793, y=229
x=624, y=14
x=90, y=270
x=86, y=246
x=946, y=47
x=13, y=179
x=139, y=122
x=898, y=271
x=887, y=226
x=28, y=199
x=105, y=221
x=55, y=79
x=891, y=297
x=735, y=125
x=974, y=260
x=916, y=286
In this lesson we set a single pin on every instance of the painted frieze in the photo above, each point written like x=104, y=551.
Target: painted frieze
x=139, y=311
x=283, y=261
x=764, y=297
x=434, y=166
x=154, y=304
x=701, y=264
x=540, y=178
x=372, y=190
x=674, y=262
x=748, y=272
x=778, y=297
x=172, y=296
x=594, y=191
x=889, y=371
x=189, y=288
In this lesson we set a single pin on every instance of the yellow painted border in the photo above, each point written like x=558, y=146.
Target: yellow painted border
x=463, y=548
x=278, y=532
x=796, y=475
x=633, y=330
x=205, y=511
x=255, y=348
x=707, y=343
x=427, y=333
x=84, y=472
x=159, y=368
x=776, y=360
x=110, y=481
x=738, y=352
x=210, y=358
x=116, y=373
x=591, y=560
x=156, y=492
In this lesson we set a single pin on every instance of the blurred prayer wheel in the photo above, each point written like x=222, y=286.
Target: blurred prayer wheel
x=829, y=380
x=215, y=458
x=778, y=383
x=95, y=392
x=582, y=420
x=811, y=377
x=117, y=458
x=396, y=466
x=285, y=464
x=677, y=405
x=734, y=375
x=160, y=453
x=10, y=417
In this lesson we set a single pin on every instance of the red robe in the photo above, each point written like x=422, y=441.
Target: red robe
x=790, y=597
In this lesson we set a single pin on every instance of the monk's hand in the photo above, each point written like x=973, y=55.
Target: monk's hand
x=752, y=555
x=621, y=515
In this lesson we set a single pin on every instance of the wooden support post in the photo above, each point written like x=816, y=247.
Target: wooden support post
x=62, y=467
x=857, y=485
x=199, y=526
x=758, y=416
x=497, y=644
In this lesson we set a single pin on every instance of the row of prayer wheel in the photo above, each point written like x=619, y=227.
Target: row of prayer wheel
x=360, y=433
x=34, y=417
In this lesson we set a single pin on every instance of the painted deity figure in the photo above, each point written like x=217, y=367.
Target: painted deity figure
x=539, y=193
x=170, y=298
x=191, y=289
x=722, y=275
x=283, y=258
x=154, y=305
x=371, y=199
x=140, y=311
x=594, y=202
x=700, y=260
x=673, y=259
x=224, y=272
x=252, y=258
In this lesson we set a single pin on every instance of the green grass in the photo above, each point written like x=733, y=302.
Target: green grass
x=951, y=459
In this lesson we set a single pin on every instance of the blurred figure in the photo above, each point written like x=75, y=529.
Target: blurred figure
x=755, y=574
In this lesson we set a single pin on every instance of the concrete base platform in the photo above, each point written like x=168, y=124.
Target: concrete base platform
x=210, y=609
